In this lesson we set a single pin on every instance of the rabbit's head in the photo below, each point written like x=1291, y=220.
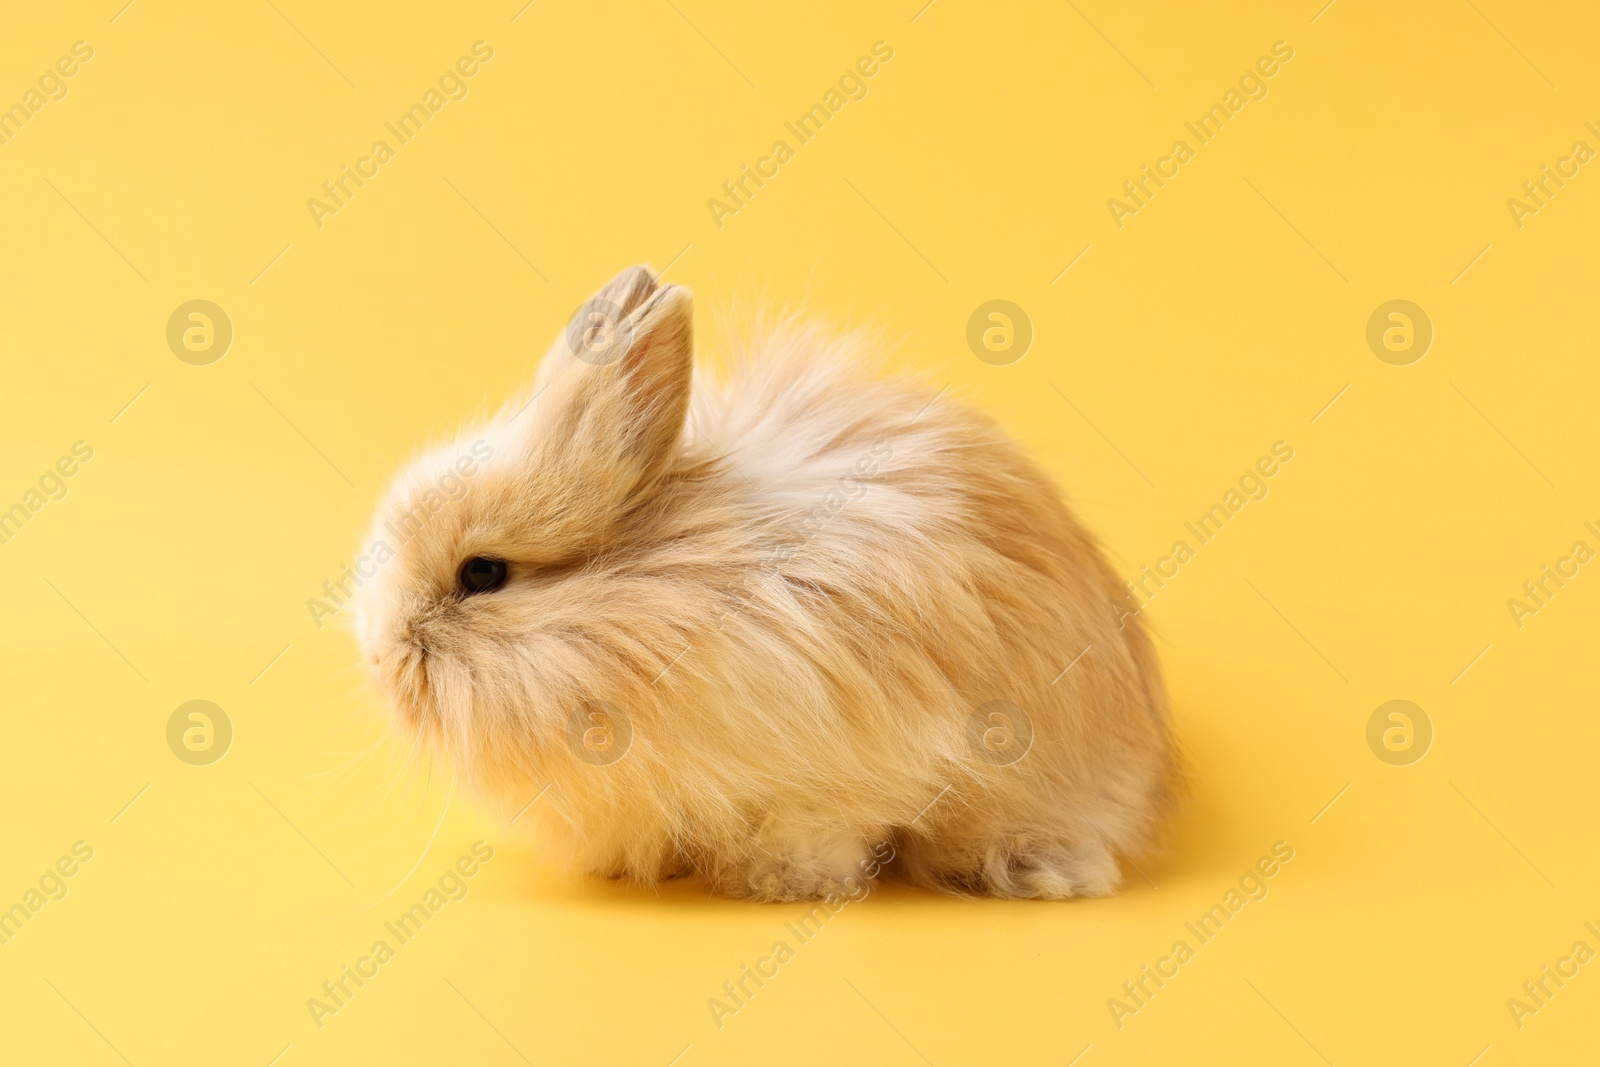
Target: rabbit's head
x=497, y=540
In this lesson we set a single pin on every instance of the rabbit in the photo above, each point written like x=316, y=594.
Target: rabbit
x=793, y=632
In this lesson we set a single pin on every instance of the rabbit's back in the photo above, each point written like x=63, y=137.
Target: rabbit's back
x=925, y=594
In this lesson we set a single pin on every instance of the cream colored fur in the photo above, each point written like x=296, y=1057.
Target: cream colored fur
x=801, y=591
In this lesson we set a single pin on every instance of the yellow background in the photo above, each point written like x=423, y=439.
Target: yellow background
x=1223, y=317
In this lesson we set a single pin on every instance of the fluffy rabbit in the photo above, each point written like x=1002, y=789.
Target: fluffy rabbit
x=783, y=632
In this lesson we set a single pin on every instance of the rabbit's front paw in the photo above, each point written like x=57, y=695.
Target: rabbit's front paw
x=805, y=870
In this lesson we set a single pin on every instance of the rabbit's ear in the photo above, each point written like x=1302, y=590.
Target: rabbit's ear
x=622, y=370
x=654, y=371
x=623, y=294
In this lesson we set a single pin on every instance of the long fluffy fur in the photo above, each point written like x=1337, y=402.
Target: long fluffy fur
x=818, y=611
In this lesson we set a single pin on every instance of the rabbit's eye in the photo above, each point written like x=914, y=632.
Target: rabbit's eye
x=480, y=574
